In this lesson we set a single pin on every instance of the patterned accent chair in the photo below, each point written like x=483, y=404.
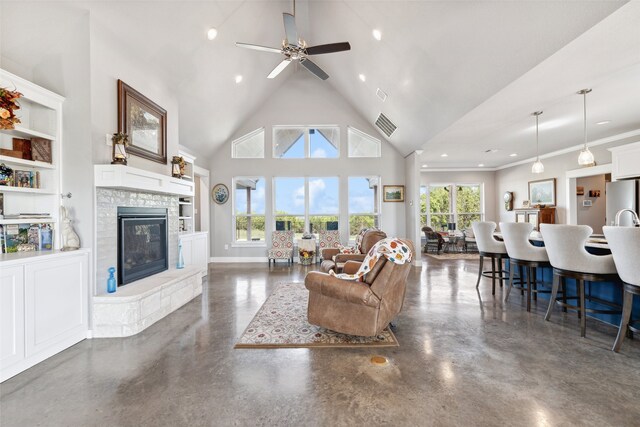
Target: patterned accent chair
x=329, y=243
x=281, y=246
x=364, y=242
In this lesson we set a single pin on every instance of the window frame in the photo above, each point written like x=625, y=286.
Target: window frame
x=366, y=135
x=234, y=215
x=307, y=141
x=377, y=203
x=245, y=137
x=453, y=205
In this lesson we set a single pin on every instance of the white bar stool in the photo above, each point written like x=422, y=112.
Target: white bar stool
x=522, y=254
x=488, y=246
x=569, y=258
x=624, y=243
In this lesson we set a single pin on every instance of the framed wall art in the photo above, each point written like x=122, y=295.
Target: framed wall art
x=145, y=122
x=543, y=192
x=393, y=193
x=220, y=194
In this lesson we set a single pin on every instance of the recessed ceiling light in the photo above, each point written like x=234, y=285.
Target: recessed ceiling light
x=212, y=33
x=513, y=154
x=377, y=35
x=362, y=77
x=481, y=165
x=444, y=155
x=425, y=166
x=604, y=122
x=238, y=78
x=491, y=150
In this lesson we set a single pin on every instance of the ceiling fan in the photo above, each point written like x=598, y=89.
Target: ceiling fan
x=295, y=49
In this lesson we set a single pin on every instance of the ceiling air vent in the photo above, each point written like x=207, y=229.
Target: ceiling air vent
x=381, y=94
x=386, y=126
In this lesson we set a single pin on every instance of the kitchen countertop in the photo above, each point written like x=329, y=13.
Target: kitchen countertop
x=596, y=241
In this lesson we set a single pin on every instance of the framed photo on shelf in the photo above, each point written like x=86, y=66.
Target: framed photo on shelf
x=145, y=122
x=543, y=192
x=393, y=193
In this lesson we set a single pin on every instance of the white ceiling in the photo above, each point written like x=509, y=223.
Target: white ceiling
x=464, y=75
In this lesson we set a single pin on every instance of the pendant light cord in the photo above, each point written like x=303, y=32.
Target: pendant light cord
x=537, y=151
x=585, y=119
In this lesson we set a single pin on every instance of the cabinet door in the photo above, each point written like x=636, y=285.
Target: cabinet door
x=200, y=251
x=11, y=315
x=56, y=302
x=521, y=217
x=532, y=218
x=187, y=249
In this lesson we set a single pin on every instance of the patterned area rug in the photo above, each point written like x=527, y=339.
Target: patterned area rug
x=282, y=322
x=454, y=256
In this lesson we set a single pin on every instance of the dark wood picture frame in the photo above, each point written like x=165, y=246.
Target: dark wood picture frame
x=393, y=193
x=549, y=182
x=128, y=95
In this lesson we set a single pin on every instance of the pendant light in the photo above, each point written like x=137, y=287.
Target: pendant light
x=586, y=157
x=537, y=167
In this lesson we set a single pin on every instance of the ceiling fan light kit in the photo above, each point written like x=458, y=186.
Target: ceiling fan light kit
x=586, y=156
x=295, y=49
x=537, y=166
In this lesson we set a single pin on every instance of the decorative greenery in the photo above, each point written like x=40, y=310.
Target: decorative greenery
x=468, y=201
x=8, y=105
x=120, y=138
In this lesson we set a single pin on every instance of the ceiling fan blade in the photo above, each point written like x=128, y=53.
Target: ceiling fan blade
x=328, y=48
x=311, y=66
x=258, y=47
x=281, y=66
x=290, y=28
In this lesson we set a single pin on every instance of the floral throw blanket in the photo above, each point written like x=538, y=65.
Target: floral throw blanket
x=392, y=248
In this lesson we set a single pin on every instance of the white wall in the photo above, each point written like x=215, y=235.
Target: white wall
x=303, y=100
x=48, y=45
x=468, y=177
x=516, y=178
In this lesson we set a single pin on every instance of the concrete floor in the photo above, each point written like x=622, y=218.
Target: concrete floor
x=465, y=358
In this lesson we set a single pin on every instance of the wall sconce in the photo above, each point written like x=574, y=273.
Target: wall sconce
x=119, y=151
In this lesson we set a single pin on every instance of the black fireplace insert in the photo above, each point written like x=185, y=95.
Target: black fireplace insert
x=142, y=243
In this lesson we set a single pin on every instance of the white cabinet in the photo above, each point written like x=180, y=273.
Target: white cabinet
x=195, y=249
x=43, y=307
x=11, y=315
x=625, y=161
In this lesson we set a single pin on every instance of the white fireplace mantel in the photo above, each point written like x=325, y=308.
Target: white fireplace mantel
x=128, y=178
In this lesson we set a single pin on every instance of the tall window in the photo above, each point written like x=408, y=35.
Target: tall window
x=448, y=204
x=363, y=145
x=301, y=142
x=364, y=204
x=248, y=209
x=249, y=146
x=306, y=204
x=423, y=206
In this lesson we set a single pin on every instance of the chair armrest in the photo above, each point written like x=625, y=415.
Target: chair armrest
x=351, y=267
x=347, y=290
x=329, y=253
x=349, y=257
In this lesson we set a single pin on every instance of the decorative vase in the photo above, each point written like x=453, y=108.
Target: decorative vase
x=111, y=281
x=180, y=257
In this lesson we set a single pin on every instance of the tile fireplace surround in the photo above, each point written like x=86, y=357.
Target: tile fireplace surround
x=136, y=306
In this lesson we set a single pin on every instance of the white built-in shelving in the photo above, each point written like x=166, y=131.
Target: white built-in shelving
x=185, y=204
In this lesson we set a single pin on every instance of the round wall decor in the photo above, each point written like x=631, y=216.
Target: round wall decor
x=220, y=194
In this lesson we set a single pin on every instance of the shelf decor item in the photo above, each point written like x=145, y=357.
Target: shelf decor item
x=111, y=281
x=177, y=166
x=220, y=194
x=41, y=150
x=119, y=144
x=70, y=239
x=8, y=106
x=145, y=122
x=6, y=175
x=393, y=193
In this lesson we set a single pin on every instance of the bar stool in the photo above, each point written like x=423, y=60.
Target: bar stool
x=488, y=246
x=569, y=258
x=522, y=254
x=624, y=243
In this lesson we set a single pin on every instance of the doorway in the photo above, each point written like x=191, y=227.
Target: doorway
x=591, y=182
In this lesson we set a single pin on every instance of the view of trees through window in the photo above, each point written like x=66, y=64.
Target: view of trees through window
x=364, y=203
x=445, y=206
x=249, y=209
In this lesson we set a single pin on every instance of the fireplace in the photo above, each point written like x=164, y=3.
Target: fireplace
x=142, y=243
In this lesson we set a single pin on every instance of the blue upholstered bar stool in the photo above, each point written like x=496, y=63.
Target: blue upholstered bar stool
x=522, y=254
x=566, y=249
x=489, y=247
x=624, y=243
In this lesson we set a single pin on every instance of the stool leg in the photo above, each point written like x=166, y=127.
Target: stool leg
x=583, y=313
x=493, y=275
x=512, y=270
x=528, y=289
x=535, y=284
x=521, y=271
x=624, y=321
x=500, y=268
x=564, y=296
x=480, y=271
x=554, y=294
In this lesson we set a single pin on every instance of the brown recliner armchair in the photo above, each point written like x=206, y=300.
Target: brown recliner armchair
x=354, y=307
x=334, y=260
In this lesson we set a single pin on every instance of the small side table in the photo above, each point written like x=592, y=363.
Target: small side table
x=306, y=247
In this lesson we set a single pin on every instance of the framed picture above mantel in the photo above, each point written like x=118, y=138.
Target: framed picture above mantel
x=145, y=122
x=542, y=192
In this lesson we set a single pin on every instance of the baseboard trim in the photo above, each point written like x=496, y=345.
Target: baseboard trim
x=238, y=259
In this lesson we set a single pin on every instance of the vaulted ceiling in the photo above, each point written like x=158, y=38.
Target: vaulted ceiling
x=444, y=64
